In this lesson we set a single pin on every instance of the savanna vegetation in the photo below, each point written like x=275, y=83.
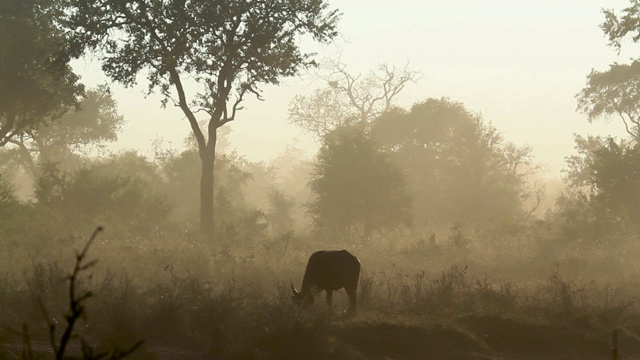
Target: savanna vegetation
x=464, y=253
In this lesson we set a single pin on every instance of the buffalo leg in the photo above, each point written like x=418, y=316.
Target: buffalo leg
x=353, y=308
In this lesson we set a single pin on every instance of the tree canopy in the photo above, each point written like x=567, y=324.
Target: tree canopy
x=37, y=84
x=614, y=93
x=458, y=165
x=357, y=189
x=88, y=127
x=227, y=47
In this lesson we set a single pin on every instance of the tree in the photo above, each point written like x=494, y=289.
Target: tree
x=238, y=222
x=36, y=81
x=349, y=99
x=280, y=212
x=293, y=170
x=356, y=187
x=458, y=165
x=121, y=192
x=604, y=176
x=617, y=28
x=599, y=209
x=606, y=173
x=94, y=122
x=614, y=92
x=228, y=47
x=10, y=211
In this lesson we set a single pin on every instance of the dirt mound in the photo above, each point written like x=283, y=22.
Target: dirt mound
x=512, y=338
x=396, y=341
x=474, y=337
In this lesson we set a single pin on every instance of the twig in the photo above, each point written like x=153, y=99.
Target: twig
x=76, y=306
x=76, y=311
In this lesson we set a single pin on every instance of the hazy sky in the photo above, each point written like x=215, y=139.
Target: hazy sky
x=518, y=63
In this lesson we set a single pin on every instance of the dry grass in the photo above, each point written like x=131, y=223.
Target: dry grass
x=448, y=313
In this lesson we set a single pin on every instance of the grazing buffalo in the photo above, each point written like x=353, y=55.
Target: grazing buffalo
x=329, y=271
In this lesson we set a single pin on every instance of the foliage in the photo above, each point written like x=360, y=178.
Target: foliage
x=88, y=127
x=229, y=48
x=261, y=177
x=356, y=187
x=280, y=212
x=182, y=172
x=12, y=211
x=239, y=222
x=600, y=208
x=458, y=165
x=38, y=84
x=617, y=28
x=614, y=93
x=101, y=192
x=604, y=180
x=293, y=169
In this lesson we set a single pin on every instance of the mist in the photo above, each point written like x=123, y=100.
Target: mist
x=176, y=180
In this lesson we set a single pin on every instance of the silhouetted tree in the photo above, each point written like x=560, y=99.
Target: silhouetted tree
x=228, y=47
x=614, y=93
x=356, y=187
x=238, y=220
x=605, y=176
x=349, y=99
x=121, y=192
x=459, y=166
x=94, y=122
x=37, y=84
x=618, y=28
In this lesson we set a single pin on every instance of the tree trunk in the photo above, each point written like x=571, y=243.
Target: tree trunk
x=207, y=216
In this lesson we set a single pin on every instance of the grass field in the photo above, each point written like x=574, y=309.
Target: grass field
x=243, y=311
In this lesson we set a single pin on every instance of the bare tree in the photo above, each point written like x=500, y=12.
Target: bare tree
x=349, y=99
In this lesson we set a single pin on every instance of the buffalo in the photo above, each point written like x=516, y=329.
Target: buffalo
x=329, y=270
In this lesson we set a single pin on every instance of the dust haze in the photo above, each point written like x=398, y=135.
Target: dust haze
x=462, y=245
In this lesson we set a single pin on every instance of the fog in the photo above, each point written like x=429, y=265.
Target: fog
x=479, y=163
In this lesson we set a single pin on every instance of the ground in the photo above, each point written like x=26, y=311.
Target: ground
x=467, y=337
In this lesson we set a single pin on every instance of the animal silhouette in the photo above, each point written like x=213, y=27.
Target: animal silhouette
x=329, y=270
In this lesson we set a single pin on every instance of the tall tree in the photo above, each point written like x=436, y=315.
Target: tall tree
x=356, y=187
x=615, y=92
x=601, y=204
x=460, y=167
x=37, y=84
x=228, y=47
x=602, y=201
